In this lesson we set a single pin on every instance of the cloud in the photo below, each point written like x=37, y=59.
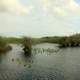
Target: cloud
x=73, y=6
x=14, y=6
x=59, y=11
x=45, y=4
x=50, y=7
x=60, y=7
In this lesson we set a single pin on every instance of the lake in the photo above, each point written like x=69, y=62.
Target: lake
x=47, y=62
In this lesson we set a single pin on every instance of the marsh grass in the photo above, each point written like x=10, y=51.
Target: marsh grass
x=43, y=50
x=4, y=45
x=27, y=45
x=27, y=42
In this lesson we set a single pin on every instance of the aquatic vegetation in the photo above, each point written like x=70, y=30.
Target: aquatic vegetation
x=20, y=62
x=43, y=50
x=26, y=45
x=24, y=65
x=29, y=66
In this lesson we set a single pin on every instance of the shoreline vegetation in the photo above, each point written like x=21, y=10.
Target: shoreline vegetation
x=27, y=42
x=62, y=41
x=4, y=46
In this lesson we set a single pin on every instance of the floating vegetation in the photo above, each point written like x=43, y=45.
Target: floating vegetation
x=29, y=66
x=25, y=64
x=12, y=59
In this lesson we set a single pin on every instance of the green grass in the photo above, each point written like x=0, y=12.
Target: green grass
x=63, y=41
x=4, y=45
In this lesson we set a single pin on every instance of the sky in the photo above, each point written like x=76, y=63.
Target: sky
x=37, y=18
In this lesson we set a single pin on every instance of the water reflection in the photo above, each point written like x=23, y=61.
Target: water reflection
x=2, y=57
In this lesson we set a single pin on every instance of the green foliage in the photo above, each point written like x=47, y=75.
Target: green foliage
x=70, y=41
x=13, y=40
x=3, y=43
x=63, y=41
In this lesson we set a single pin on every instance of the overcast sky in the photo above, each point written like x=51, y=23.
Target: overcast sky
x=38, y=18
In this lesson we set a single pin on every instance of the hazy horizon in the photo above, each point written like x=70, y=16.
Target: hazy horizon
x=39, y=18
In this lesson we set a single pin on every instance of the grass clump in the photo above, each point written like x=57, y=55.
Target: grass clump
x=27, y=45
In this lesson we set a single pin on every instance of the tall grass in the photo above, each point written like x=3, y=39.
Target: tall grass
x=4, y=45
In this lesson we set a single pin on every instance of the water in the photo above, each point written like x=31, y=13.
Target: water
x=61, y=64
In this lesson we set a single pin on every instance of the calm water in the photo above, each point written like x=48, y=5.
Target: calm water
x=47, y=62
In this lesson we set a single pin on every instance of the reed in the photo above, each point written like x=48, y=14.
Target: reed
x=43, y=50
